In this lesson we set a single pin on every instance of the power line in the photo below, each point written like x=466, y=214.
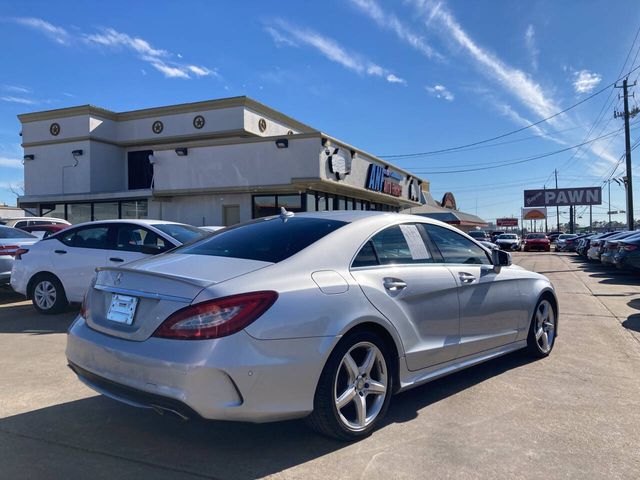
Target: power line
x=459, y=147
x=514, y=162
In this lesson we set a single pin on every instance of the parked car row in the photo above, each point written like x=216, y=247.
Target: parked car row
x=619, y=249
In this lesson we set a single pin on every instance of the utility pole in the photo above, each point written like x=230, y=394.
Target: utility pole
x=546, y=226
x=627, y=141
x=557, y=208
x=609, y=182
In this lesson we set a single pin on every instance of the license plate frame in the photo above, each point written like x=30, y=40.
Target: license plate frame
x=122, y=309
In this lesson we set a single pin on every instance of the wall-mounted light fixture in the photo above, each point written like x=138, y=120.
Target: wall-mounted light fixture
x=282, y=143
x=182, y=151
x=77, y=153
x=29, y=157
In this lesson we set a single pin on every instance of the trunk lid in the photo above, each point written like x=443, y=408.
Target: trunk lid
x=158, y=286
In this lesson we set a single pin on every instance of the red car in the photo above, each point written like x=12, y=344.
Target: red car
x=537, y=241
x=43, y=231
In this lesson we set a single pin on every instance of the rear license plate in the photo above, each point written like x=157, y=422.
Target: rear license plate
x=122, y=309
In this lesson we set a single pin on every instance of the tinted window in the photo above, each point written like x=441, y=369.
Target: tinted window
x=455, y=248
x=401, y=244
x=134, y=238
x=86, y=237
x=8, y=232
x=267, y=240
x=536, y=235
x=182, y=233
x=22, y=223
x=366, y=256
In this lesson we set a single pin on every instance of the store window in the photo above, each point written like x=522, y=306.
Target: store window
x=267, y=205
x=55, y=210
x=134, y=209
x=105, y=211
x=78, y=212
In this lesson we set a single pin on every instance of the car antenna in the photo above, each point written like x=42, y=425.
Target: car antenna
x=284, y=215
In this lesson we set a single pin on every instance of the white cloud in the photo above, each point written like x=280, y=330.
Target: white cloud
x=20, y=100
x=10, y=162
x=585, y=81
x=440, y=91
x=530, y=42
x=15, y=89
x=57, y=34
x=515, y=81
x=160, y=59
x=391, y=78
x=285, y=34
x=390, y=22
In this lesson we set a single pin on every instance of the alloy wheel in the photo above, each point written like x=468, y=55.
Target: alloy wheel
x=45, y=294
x=361, y=386
x=545, y=326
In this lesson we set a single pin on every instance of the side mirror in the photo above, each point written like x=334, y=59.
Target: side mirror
x=500, y=259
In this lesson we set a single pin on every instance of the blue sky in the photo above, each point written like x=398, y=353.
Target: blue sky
x=389, y=77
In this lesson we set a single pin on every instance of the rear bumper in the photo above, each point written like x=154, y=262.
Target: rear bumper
x=19, y=278
x=232, y=378
x=6, y=262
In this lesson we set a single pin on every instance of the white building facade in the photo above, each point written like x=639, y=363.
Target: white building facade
x=216, y=162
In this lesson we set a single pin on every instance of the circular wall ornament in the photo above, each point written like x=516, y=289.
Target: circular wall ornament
x=157, y=127
x=54, y=129
x=198, y=121
x=262, y=124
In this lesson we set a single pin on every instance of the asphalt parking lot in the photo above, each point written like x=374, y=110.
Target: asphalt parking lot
x=575, y=414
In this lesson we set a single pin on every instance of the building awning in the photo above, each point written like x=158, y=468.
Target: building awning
x=447, y=215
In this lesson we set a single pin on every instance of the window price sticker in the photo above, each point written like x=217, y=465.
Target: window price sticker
x=414, y=240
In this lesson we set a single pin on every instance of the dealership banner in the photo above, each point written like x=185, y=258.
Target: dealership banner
x=507, y=222
x=563, y=197
x=534, y=213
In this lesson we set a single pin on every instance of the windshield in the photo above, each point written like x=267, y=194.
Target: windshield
x=534, y=236
x=182, y=233
x=508, y=236
x=266, y=240
x=8, y=232
x=564, y=236
x=477, y=234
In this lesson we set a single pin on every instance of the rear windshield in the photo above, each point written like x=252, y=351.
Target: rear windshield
x=507, y=236
x=536, y=235
x=564, y=236
x=476, y=233
x=267, y=240
x=8, y=232
x=182, y=233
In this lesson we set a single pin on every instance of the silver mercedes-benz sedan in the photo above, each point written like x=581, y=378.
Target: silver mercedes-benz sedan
x=317, y=315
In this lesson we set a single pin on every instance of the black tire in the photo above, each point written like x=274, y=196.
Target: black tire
x=56, y=300
x=325, y=418
x=535, y=346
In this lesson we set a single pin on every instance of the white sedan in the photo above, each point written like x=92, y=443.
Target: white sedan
x=59, y=269
x=324, y=315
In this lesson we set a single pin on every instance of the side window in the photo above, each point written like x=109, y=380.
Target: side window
x=397, y=245
x=134, y=238
x=87, y=237
x=455, y=248
x=21, y=224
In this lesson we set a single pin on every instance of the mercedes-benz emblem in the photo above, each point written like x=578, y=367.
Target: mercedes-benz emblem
x=54, y=129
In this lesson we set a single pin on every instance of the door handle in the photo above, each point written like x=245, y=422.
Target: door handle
x=60, y=251
x=116, y=259
x=394, y=284
x=466, y=277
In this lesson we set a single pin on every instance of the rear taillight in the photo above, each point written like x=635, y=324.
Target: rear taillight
x=8, y=250
x=20, y=252
x=216, y=318
x=630, y=248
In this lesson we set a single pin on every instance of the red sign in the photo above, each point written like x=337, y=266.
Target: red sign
x=507, y=222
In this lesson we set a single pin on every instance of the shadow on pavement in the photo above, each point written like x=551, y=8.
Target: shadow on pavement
x=632, y=323
x=7, y=295
x=98, y=428
x=25, y=319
